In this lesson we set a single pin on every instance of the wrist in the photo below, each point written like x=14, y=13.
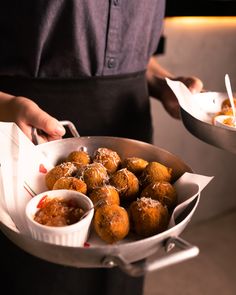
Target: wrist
x=5, y=100
x=155, y=86
x=156, y=75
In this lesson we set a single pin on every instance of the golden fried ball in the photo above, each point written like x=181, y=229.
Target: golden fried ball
x=71, y=183
x=155, y=171
x=134, y=164
x=111, y=223
x=94, y=175
x=226, y=109
x=227, y=104
x=126, y=183
x=64, y=169
x=108, y=158
x=80, y=157
x=148, y=216
x=162, y=191
x=108, y=193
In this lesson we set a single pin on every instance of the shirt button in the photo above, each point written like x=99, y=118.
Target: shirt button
x=111, y=63
x=116, y=2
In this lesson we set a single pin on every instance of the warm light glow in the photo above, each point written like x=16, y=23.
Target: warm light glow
x=203, y=20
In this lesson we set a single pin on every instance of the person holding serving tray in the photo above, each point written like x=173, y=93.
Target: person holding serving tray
x=91, y=62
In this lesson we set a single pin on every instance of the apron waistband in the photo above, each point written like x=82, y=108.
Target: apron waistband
x=20, y=82
x=107, y=106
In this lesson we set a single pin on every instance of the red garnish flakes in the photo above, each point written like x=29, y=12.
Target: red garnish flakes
x=86, y=245
x=42, y=202
x=42, y=169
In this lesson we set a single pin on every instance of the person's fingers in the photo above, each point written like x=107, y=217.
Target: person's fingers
x=30, y=115
x=46, y=131
x=168, y=98
x=48, y=126
x=43, y=121
x=194, y=84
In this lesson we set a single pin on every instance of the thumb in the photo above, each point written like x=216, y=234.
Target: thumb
x=48, y=126
x=194, y=84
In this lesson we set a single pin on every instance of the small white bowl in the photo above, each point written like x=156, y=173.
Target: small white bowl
x=219, y=121
x=74, y=235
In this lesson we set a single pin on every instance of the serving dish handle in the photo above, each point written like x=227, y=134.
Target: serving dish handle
x=186, y=251
x=67, y=124
x=71, y=127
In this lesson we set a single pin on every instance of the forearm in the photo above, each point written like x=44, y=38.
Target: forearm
x=156, y=75
x=27, y=114
x=158, y=87
x=5, y=100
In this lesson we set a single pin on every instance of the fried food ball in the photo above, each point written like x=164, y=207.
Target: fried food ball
x=108, y=193
x=148, y=216
x=229, y=121
x=155, y=171
x=226, y=103
x=226, y=109
x=126, y=183
x=80, y=157
x=71, y=183
x=135, y=164
x=111, y=223
x=94, y=175
x=162, y=191
x=64, y=169
x=108, y=158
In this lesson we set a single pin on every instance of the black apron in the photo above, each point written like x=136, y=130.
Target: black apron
x=106, y=106
x=112, y=106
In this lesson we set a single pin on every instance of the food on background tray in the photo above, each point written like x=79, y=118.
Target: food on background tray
x=58, y=212
x=147, y=189
x=225, y=121
x=226, y=110
x=71, y=183
x=226, y=104
x=111, y=223
x=229, y=121
x=148, y=216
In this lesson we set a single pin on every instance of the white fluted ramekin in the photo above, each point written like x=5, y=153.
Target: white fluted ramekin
x=74, y=235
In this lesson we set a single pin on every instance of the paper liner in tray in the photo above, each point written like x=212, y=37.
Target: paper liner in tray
x=202, y=106
x=22, y=172
x=197, y=113
x=23, y=169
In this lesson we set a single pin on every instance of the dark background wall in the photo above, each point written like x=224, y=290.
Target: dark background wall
x=201, y=8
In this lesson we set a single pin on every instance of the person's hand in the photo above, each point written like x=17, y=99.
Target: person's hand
x=158, y=87
x=27, y=115
x=167, y=96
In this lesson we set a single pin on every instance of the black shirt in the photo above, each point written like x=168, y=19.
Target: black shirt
x=108, y=42
x=74, y=38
